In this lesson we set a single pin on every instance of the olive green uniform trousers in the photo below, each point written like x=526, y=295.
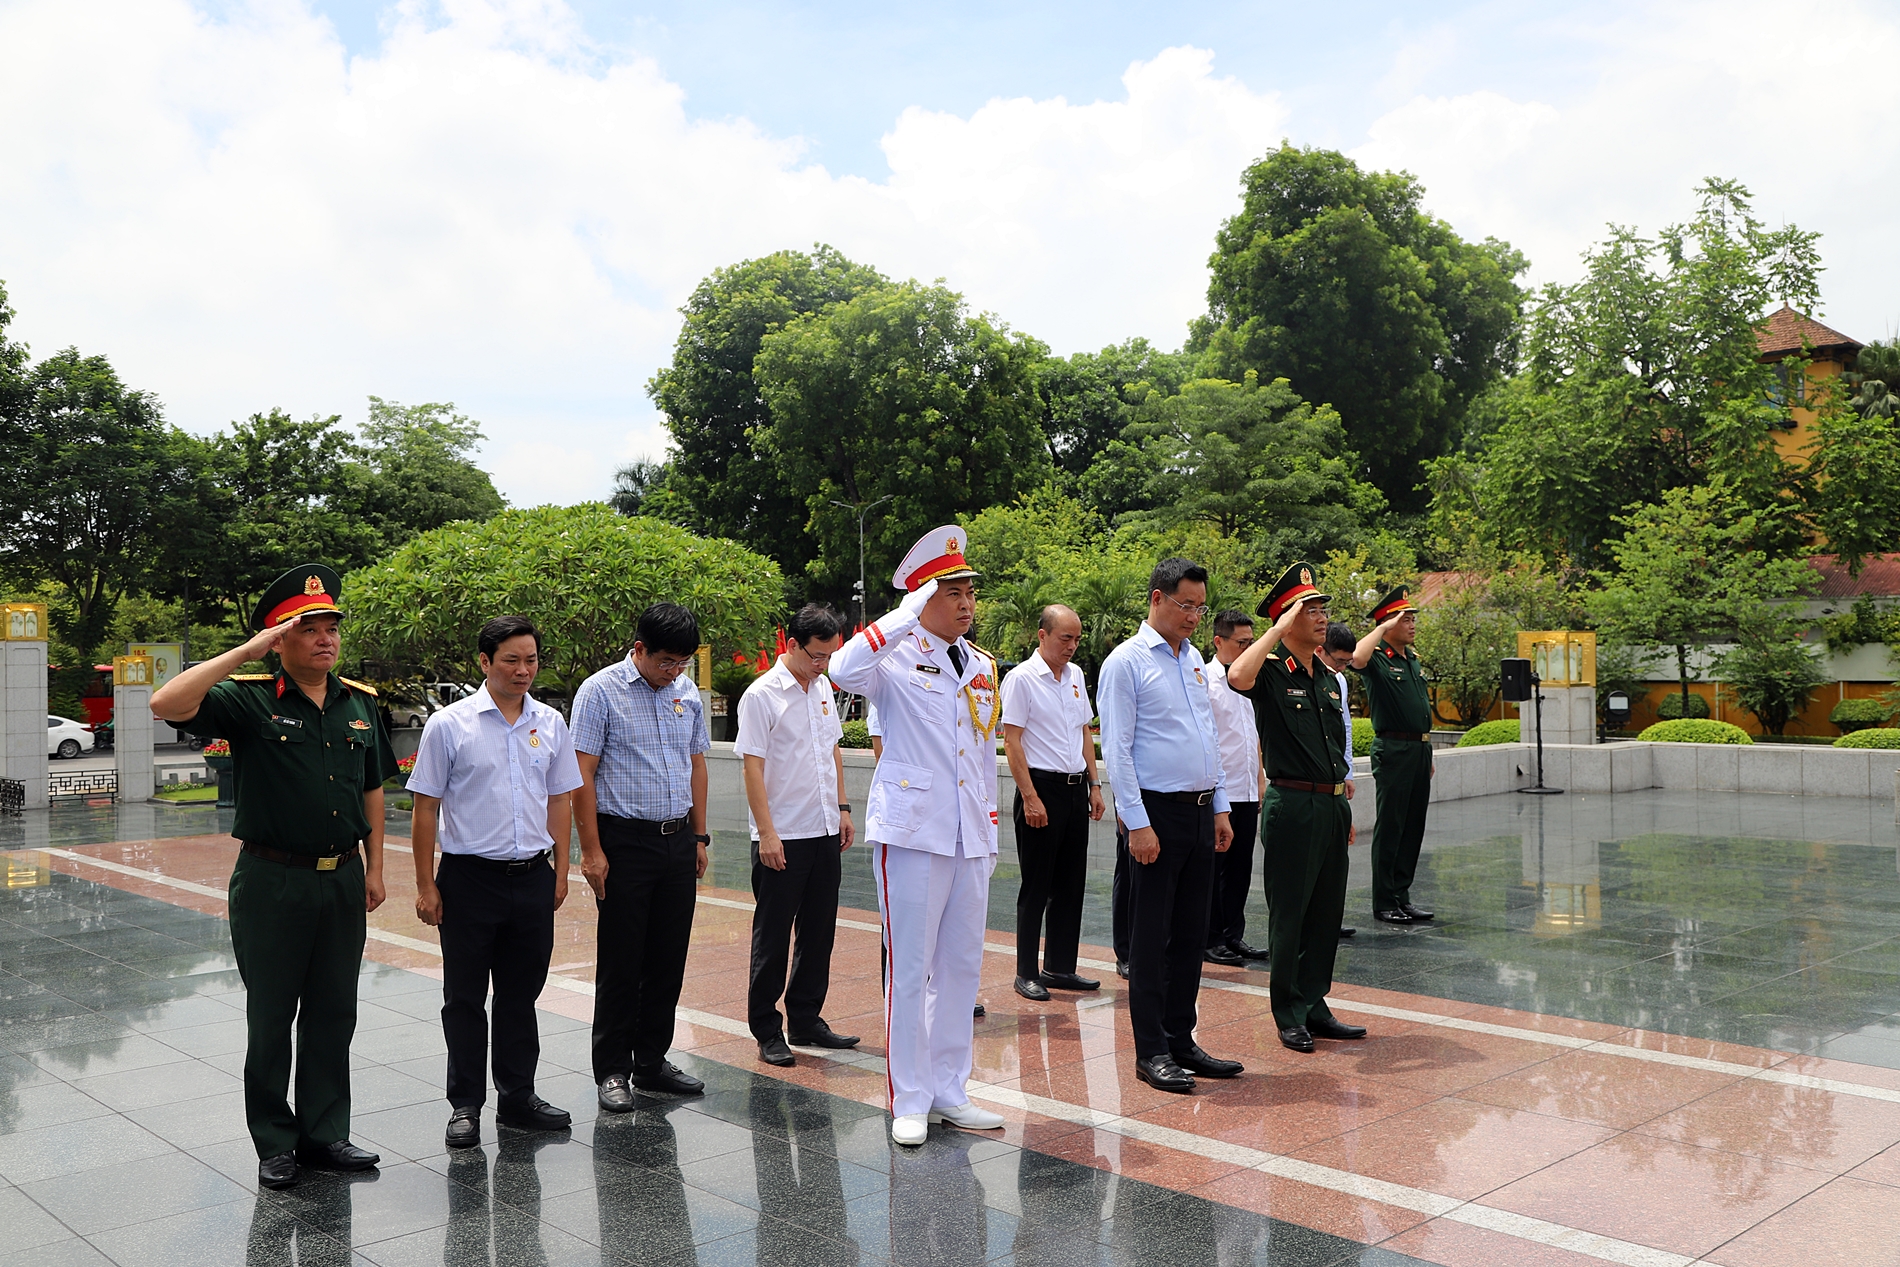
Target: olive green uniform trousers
x=297, y=934
x=1402, y=774
x=1305, y=871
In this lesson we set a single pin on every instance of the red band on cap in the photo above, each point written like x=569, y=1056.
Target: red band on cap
x=1396, y=607
x=1287, y=599
x=932, y=570
x=298, y=605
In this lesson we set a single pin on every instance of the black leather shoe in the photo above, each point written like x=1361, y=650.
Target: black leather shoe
x=1067, y=981
x=1031, y=989
x=1122, y=969
x=773, y=1051
x=341, y=1155
x=1415, y=912
x=668, y=1077
x=1245, y=951
x=1348, y=932
x=614, y=1094
x=533, y=1114
x=1202, y=1065
x=1392, y=917
x=1222, y=956
x=465, y=1128
x=278, y=1172
x=1161, y=1073
x=978, y=1012
x=1331, y=1028
x=1297, y=1038
x=822, y=1035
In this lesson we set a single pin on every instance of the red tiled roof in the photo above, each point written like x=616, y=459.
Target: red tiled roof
x=1787, y=331
x=1879, y=577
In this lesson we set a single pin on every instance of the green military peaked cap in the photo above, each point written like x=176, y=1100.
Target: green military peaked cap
x=306, y=590
x=1391, y=605
x=1294, y=584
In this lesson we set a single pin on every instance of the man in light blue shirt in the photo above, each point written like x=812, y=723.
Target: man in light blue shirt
x=1163, y=760
x=498, y=768
x=641, y=738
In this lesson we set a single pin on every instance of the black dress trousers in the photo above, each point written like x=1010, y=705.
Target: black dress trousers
x=646, y=922
x=497, y=926
x=1168, y=901
x=1233, y=877
x=1055, y=861
x=1118, y=894
x=804, y=896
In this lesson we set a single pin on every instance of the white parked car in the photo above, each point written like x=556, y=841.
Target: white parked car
x=436, y=695
x=66, y=737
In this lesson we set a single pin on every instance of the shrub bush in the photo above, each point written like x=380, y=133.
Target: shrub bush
x=857, y=734
x=731, y=680
x=1490, y=732
x=1362, y=737
x=1851, y=715
x=1695, y=730
x=1669, y=708
x=1870, y=737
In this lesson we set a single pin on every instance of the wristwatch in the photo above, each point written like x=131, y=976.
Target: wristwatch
x=844, y=807
x=1095, y=783
x=704, y=840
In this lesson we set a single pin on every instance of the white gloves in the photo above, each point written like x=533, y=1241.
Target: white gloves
x=913, y=604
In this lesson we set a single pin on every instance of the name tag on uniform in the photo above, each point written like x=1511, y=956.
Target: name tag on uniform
x=928, y=668
x=286, y=721
x=1296, y=690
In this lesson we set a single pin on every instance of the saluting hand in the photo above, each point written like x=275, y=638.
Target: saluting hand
x=267, y=639
x=914, y=601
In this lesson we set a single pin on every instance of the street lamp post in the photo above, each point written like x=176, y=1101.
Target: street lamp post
x=861, y=509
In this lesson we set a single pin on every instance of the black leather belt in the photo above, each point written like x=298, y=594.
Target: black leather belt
x=313, y=862
x=513, y=866
x=1301, y=785
x=1184, y=798
x=1402, y=734
x=648, y=826
x=1060, y=776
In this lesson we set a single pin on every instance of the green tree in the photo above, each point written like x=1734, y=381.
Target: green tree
x=1852, y=481
x=421, y=472
x=1693, y=571
x=1252, y=461
x=1334, y=279
x=1018, y=540
x=1772, y=677
x=726, y=485
x=1090, y=397
x=1011, y=613
x=1875, y=379
x=583, y=573
x=899, y=391
x=1642, y=377
x=1462, y=635
x=93, y=486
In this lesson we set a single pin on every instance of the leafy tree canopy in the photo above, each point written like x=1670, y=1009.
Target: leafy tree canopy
x=900, y=391
x=583, y=573
x=1090, y=397
x=1334, y=279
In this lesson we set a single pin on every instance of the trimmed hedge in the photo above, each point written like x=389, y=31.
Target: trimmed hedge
x=1361, y=737
x=1669, y=707
x=1508, y=730
x=1695, y=730
x=857, y=734
x=1871, y=737
x=1851, y=715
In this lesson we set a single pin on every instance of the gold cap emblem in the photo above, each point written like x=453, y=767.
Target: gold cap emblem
x=313, y=586
x=950, y=546
x=1306, y=576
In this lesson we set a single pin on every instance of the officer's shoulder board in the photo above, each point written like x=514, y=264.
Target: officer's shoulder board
x=364, y=687
x=1274, y=656
x=253, y=677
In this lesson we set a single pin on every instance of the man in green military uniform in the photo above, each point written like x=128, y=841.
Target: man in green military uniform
x=1401, y=754
x=1305, y=821
x=310, y=756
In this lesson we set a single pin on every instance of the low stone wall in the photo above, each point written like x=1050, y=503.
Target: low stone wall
x=1627, y=766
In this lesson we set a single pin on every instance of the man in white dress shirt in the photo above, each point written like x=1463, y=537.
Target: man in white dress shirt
x=1240, y=767
x=931, y=823
x=788, y=738
x=498, y=767
x=1046, y=713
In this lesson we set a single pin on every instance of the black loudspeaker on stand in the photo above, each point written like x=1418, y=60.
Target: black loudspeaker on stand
x=1520, y=683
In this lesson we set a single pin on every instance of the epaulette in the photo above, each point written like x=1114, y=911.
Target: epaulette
x=364, y=687
x=253, y=677
x=1273, y=655
x=984, y=650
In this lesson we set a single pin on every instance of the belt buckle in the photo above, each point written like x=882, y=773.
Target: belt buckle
x=1076, y=777
x=1204, y=798
x=670, y=825
x=329, y=863
x=1339, y=789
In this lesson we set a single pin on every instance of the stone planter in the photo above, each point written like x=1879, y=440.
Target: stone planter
x=222, y=766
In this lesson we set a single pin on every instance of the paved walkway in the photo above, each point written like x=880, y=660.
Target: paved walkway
x=1615, y=1120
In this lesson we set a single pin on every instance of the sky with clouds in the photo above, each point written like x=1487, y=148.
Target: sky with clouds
x=250, y=204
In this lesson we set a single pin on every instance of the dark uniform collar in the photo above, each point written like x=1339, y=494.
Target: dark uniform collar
x=285, y=685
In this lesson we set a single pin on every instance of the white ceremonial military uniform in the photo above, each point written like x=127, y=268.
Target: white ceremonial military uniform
x=931, y=822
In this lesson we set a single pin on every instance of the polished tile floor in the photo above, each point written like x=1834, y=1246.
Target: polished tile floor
x=1647, y=1029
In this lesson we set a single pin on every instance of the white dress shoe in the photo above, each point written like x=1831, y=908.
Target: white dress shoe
x=969, y=1117
x=910, y=1129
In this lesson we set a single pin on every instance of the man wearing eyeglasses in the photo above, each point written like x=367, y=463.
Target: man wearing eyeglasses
x=640, y=735
x=1164, y=764
x=788, y=739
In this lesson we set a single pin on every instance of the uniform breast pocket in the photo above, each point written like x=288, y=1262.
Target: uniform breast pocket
x=282, y=730
x=899, y=794
x=924, y=694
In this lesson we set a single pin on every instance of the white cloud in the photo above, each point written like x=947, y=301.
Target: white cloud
x=1790, y=101
x=491, y=212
